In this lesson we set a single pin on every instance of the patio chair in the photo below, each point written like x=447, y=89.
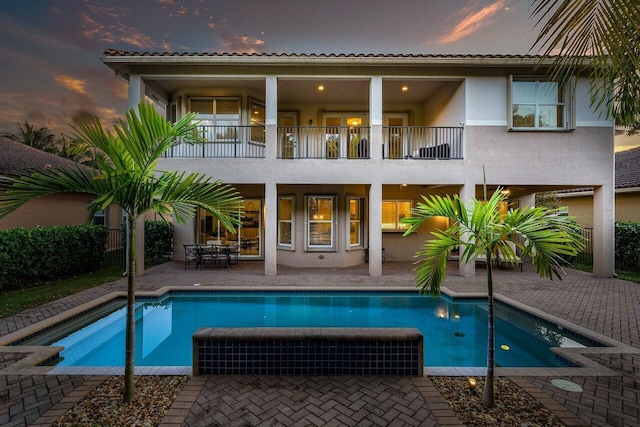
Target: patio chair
x=223, y=257
x=192, y=254
x=502, y=260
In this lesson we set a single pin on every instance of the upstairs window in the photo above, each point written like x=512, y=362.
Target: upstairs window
x=537, y=105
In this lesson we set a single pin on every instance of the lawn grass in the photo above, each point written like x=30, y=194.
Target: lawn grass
x=633, y=276
x=12, y=302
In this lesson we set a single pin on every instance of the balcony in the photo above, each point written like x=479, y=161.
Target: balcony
x=422, y=142
x=325, y=142
x=224, y=142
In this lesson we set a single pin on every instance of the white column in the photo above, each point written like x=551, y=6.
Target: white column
x=183, y=234
x=271, y=229
x=375, y=117
x=271, y=117
x=467, y=192
x=375, y=229
x=136, y=93
x=528, y=200
x=603, y=230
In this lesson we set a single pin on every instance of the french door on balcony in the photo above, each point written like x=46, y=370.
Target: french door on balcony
x=346, y=135
x=395, y=138
x=289, y=135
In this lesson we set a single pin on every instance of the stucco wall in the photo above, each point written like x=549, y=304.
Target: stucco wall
x=59, y=209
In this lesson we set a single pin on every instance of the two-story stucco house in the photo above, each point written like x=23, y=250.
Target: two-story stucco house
x=330, y=152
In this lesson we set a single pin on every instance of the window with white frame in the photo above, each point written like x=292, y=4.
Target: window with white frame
x=99, y=218
x=355, y=231
x=538, y=105
x=285, y=221
x=320, y=223
x=218, y=118
x=393, y=211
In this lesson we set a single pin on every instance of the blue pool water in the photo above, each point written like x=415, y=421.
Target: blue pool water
x=455, y=332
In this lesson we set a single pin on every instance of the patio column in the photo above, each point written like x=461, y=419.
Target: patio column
x=603, y=231
x=271, y=229
x=271, y=118
x=375, y=117
x=136, y=93
x=467, y=192
x=528, y=200
x=375, y=230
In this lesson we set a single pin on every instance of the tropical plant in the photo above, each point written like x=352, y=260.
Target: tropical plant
x=41, y=138
x=482, y=229
x=601, y=36
x=127, y=175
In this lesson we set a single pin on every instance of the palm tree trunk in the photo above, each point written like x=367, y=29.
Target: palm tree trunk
x=129, y=353
x=488, y=400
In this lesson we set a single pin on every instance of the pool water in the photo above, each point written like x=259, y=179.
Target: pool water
x=455, y=332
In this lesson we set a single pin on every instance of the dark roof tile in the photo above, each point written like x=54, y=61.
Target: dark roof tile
x=16, y=157
x=628, y=168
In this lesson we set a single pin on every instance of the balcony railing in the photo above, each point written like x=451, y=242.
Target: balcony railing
x=224, y=142
x=323, y=142
x=422, y=142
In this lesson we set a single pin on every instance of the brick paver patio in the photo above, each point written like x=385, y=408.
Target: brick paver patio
x=609, y=307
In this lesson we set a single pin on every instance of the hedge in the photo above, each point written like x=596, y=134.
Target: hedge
x=32, y=256
x=628, y=245
x=158, y=240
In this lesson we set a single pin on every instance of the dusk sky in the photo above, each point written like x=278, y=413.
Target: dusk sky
x=51, y=49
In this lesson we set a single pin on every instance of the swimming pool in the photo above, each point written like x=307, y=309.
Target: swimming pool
x=455, y=331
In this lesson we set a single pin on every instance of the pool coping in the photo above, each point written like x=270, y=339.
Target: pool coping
x=39, y=354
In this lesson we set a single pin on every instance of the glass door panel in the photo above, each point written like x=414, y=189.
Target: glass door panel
x=288, y=136
x=250, y=236
x=395, y=137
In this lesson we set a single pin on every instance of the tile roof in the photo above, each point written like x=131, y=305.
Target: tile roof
x=16, y=157
x=628, y=168
x=116, y=52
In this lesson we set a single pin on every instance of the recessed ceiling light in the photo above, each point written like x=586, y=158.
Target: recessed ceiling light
x=320, y=87
x=405, y=88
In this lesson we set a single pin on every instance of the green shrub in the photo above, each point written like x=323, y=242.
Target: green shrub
x=628, y=245
x=31, y=256
x=158, y=240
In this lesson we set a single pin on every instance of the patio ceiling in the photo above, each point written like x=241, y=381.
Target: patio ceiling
x=305, y=90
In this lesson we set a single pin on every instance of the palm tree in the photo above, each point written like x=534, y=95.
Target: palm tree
x=41, y=139
x=126, y=174
x=483, y=229
x=602, y=34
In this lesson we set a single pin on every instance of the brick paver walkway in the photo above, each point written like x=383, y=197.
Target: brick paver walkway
x=607, y=306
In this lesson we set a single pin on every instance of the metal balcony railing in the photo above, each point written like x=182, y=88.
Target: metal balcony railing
x=323, y=142
x=422, y=142
x=224, y=142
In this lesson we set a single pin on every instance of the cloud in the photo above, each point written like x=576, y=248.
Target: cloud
x=72, y=84
x=241, y=44
x=112, y=12
x=94, y=30
x=472, y=22
x=135, y=37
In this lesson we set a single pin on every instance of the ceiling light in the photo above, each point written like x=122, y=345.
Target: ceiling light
x=405, y=88
x=320, y=87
